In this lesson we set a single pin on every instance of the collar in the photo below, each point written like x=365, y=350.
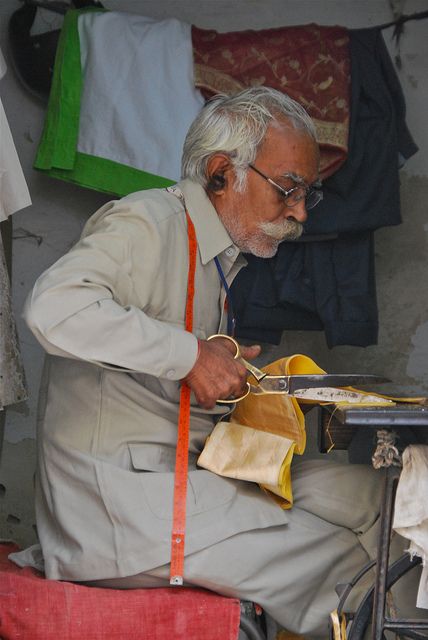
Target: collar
x=213, y=238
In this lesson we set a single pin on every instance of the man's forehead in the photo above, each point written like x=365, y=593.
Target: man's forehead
x=291, y=152
x=284, y=139
x=301, y=170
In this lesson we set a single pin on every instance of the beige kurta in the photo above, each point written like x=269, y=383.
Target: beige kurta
x=111, y=314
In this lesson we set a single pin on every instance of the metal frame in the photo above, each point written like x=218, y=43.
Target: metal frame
x=250, y=622
x=391, y=419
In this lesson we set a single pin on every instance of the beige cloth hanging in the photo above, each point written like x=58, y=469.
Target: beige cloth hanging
x=411, y=510
x=14, y=196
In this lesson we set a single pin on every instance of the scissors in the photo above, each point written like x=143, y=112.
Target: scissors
x=321, y=387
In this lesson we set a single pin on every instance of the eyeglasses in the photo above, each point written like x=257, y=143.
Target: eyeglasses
x=311, y=194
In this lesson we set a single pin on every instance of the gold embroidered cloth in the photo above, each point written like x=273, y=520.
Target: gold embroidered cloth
x=310, y=63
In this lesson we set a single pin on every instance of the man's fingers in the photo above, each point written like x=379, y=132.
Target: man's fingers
x=217, y=375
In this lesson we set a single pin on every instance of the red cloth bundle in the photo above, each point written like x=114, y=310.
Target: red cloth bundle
x=33, y=608
x=310, y=63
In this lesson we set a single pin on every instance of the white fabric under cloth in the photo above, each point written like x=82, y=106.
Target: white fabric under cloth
x=411, y=510
x=150, y=63
x=14, y=196
x=14, y=193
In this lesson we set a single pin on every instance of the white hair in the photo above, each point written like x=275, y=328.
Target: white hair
x=236, y=125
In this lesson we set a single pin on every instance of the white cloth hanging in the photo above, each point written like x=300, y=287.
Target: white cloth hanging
x=411, y=510
x=14, y=195
x=138, y=97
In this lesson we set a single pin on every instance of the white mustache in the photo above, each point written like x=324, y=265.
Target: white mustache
x=285, y=229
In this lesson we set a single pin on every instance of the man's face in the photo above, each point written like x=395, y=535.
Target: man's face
x=258, y=218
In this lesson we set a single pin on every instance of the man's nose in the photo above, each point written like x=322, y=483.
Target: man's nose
x=298, y=212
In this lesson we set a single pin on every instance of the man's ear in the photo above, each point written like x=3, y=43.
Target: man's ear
x=219, y=170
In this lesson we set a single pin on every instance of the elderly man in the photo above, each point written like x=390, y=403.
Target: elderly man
x=111, y=316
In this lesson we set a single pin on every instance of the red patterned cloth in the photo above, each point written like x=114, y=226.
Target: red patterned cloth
x=33, y=608
x=310, y=63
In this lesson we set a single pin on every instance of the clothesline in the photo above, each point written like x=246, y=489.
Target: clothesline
x=398, y=22
x=62, y=7
x=398, y=25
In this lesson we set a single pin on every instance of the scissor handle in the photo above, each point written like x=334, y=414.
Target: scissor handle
x=257, y=373
x=233, y=400
x=232, y=340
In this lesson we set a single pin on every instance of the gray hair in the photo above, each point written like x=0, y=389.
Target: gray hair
x=236, y=125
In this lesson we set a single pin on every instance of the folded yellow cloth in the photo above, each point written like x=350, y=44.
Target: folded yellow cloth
x=265, y=431
x=279, y=414
x=244, y=453
x=259, y=441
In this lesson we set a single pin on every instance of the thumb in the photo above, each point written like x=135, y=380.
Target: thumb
x=250, y=352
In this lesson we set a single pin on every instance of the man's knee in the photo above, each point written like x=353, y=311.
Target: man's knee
x=343, y=494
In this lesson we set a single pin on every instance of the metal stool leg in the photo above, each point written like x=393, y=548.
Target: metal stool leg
x=250, y=622
x=386, y=515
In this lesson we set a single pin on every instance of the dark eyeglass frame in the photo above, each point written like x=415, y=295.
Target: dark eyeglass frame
x=311, y=192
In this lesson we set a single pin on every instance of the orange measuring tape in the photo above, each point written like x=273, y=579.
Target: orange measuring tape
x=178, y=535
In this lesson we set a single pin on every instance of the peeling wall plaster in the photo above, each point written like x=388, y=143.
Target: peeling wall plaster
x=17, y=517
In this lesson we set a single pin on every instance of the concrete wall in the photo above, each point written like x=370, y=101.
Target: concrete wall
x=44, y=231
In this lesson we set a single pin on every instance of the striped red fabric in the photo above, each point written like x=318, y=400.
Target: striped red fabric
x=33, y=608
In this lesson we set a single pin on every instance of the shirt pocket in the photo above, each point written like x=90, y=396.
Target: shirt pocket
x=205, y=492
x=152, y=457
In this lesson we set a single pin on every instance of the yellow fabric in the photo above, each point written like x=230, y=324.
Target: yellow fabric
x=265, y=431
x=259, y=441
x=280, y=413
x=246, y=453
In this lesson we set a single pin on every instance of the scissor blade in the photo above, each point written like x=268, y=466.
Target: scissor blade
x=290, y=384
x=339, y=394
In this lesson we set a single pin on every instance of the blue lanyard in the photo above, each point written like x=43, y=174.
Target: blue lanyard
x=231, y=320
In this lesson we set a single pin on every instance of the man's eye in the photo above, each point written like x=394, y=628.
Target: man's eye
x=297, y=195
x=284, y=195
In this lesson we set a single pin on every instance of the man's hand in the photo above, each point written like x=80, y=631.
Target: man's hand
x=216, y=374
